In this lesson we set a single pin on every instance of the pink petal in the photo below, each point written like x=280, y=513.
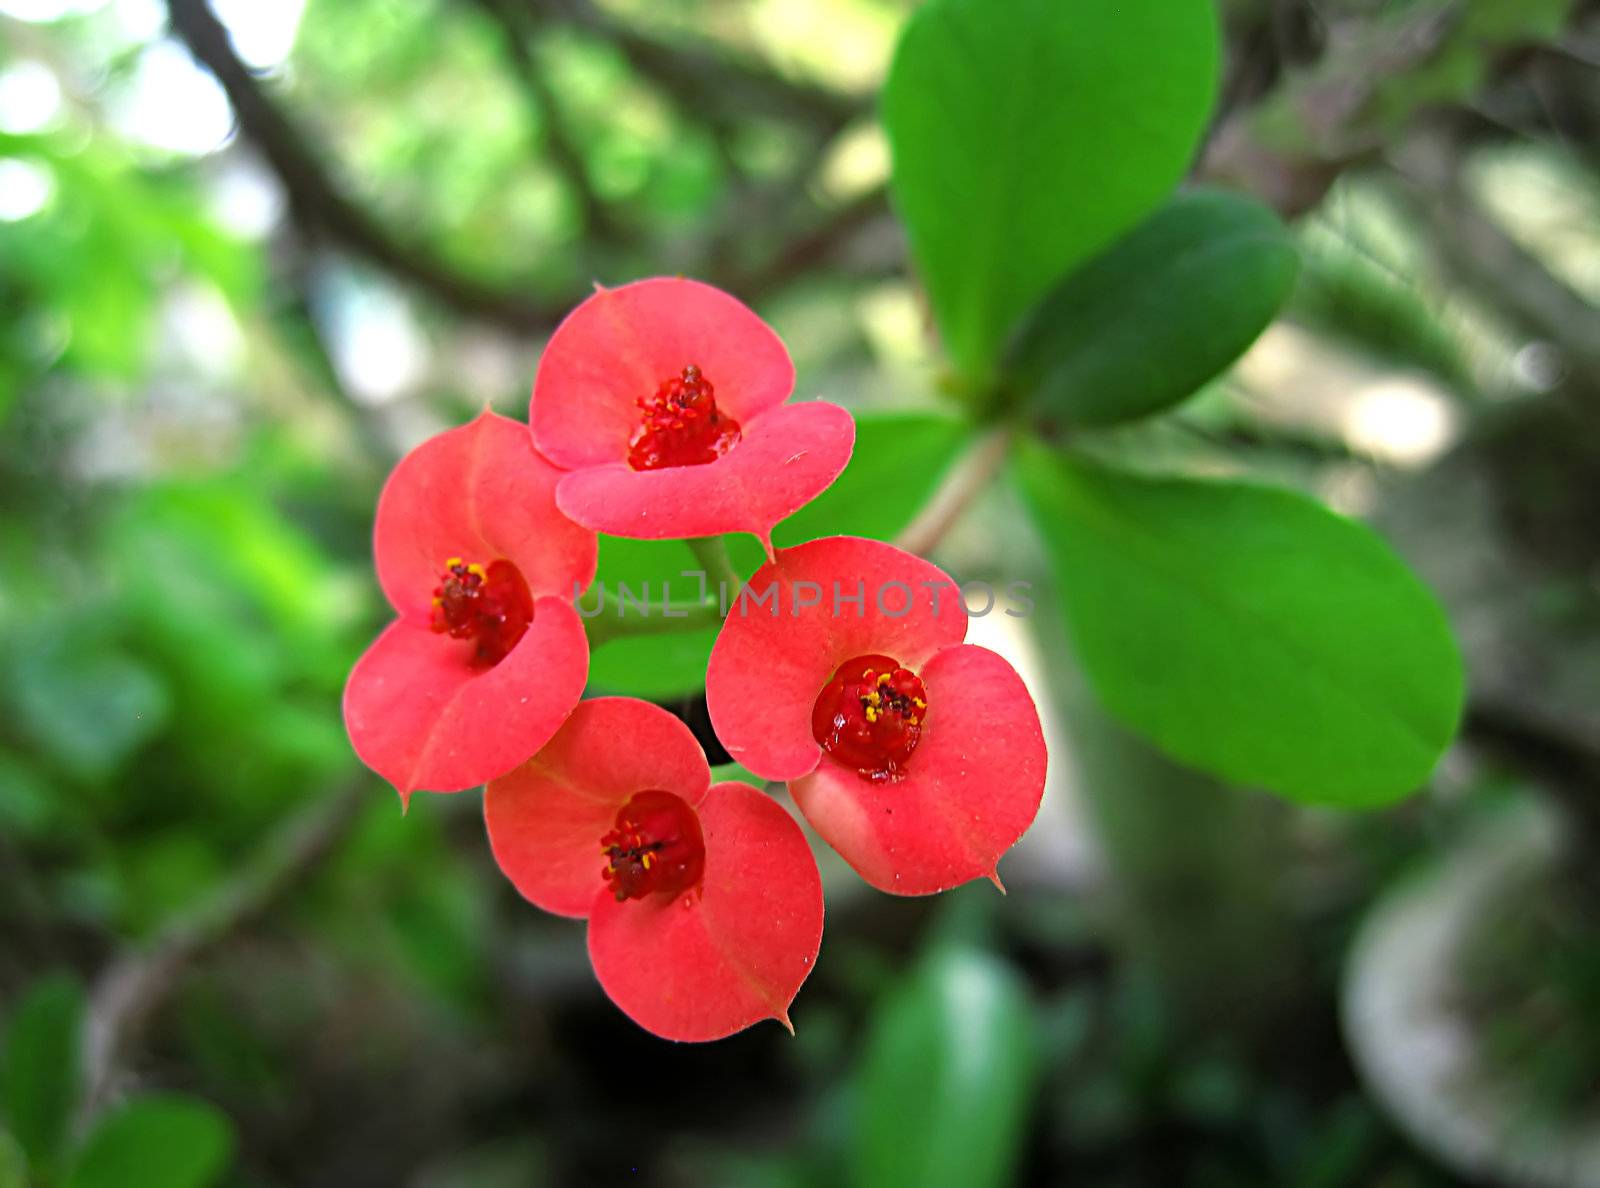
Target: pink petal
x=786, y=458
x=479, y=492
x=971, y=790
x=421, y=717
x=767, y=670
x=546, y=818
x=619, y=345
x=703, y=966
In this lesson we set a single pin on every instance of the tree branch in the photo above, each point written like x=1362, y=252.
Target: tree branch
x=317, y=200
x=134, y=986
x=707, y=79
x=512, y=18
x=1478, y=251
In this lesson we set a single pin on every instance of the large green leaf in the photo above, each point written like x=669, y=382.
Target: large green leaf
x=173, y=1141
x=1249, y=631
x=13, y=1163
x=40, y=1084
x=1149, y=321
x=947, y=1076
x=898, y=460
x=1028, y=134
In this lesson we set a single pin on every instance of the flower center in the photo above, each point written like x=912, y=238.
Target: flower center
x=656, y=846
x=489, y=604
x=682, y=425
x=869, y=716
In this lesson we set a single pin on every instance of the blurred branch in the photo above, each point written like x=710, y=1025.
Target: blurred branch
x=1474, y=247
x=131, y=989
x=317, y=200
x=811, y=249
x=1290, y=146
x=701, y=80
x=559, y=145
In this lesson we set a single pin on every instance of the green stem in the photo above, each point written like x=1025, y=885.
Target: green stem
x=613, y=623
x=722, y=586
x=712, y=553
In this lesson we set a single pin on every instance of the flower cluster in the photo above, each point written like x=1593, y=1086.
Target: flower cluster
x=659, y=412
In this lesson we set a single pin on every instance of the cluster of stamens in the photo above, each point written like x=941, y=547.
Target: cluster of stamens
x=489, y=604
x=682, y=425
x=655, y=846
x=869, y=716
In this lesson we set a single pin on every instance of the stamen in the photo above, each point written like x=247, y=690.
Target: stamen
x=489, y=604
x=869, y=716
x=682, y=425
x=655, y=847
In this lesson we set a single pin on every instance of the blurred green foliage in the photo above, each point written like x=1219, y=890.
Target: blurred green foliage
x=206, y=369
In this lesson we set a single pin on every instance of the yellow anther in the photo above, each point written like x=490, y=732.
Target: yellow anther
x=883, y=678
x=452, y=562
x=648, y=859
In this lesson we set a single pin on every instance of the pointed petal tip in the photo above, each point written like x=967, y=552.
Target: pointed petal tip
x=405, y=799
x=783, y=1017
x=994, y=877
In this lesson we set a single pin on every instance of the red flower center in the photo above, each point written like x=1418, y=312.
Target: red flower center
x=682, y=425
x=489, y=604
x=656, y=846
x=869, y=716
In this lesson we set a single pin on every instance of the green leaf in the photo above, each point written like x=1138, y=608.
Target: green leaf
x=1028, y=134
x=177, y=1142
x=83, y=700
x=1249, y=631
x=899, y=458
x=13, y=1163
x=657, y=666
x=41, y=1076
x=725, y=772
x=1150, y=321
x=946, y=1079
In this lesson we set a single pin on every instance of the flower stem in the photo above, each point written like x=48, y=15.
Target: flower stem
x=968, y=478
x=712, y=553
x=661, y=619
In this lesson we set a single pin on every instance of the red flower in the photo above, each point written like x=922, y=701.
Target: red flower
x=916, y=756
x=665, y=399
x=487, y=656
x=704, y=903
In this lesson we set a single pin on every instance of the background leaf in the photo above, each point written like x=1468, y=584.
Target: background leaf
x=1249, y=631
x=173, y=1141
x=1027, y=134
x=13, y=1163
x=84, y=700
x=724, y=772
x=946, y=1079
x=1148, y=322
x=41, y=1079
